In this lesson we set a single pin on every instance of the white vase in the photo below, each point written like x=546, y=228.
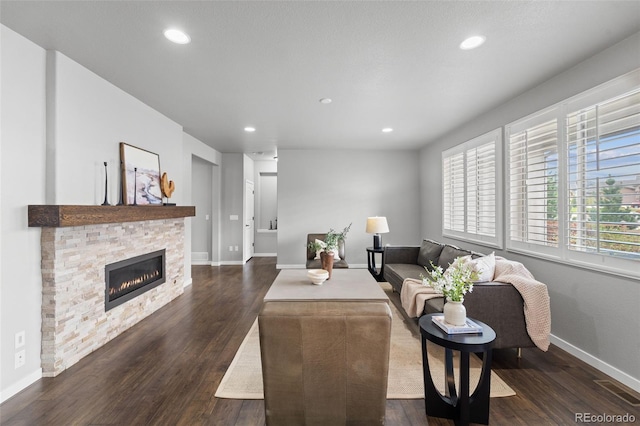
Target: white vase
x=455, y=313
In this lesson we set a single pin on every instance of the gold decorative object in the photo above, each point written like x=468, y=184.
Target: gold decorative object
x=167, y=186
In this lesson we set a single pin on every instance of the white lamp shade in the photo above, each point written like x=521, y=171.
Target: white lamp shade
x=377, y=225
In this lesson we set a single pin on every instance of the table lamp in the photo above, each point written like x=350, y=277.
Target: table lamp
x=377, y=225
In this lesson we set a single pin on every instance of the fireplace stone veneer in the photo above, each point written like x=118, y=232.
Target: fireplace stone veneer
x=74, y=321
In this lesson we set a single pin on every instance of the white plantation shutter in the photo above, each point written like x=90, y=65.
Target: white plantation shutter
x=481, y=189
x=603, y=150
x=533, y=173
x=453, y=202
x=470, y=190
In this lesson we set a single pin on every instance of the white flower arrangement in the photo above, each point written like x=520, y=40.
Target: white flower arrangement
x=453, y=283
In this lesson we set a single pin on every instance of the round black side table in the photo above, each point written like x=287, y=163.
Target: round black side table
x=458, y=405
x=371, y=262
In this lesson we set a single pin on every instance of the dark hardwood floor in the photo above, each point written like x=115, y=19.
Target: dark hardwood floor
x=166, y=369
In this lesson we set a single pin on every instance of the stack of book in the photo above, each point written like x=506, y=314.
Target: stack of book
x=469, y=327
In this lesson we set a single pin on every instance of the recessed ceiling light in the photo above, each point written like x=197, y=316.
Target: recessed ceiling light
x=387, y=130
x=250, y=129
x=472, y=42
x=177, y=36
x=325, y=101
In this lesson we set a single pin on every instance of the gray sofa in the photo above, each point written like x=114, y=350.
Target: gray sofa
x=497, y=304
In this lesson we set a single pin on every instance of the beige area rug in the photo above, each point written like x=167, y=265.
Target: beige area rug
x=243, y=379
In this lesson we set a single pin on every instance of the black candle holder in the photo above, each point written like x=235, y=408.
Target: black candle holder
x=135, y=186
x=120, y=202
x=106, y=203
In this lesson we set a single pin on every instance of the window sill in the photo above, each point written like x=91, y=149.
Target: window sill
x=589, y=266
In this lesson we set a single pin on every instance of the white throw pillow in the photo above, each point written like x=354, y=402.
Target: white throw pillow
x=322, y=245
x=336, y=256
x=486, y=267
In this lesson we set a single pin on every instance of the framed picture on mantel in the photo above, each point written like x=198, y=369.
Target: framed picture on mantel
x=140, y=176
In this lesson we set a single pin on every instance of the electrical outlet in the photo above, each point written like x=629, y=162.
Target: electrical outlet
x=230, y=248
x=236, y=248
x=20, y=359
x=19, y=339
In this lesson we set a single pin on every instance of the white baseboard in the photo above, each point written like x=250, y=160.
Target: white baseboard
x=296, y=266
x=299, y=266
x=188, y=282
x=359, y=266
x=265, y=254
x=20, y=385
x=199, y=256
x=236, y=262
x=607, y=369
x=200, y=262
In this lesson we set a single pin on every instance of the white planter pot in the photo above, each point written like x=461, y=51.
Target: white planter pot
x=455, y=313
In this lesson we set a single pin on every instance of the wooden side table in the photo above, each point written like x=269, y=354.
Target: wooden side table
x=371, y=262
x=458, y=405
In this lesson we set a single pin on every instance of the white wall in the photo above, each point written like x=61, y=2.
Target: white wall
x=318, y=190
x=90, y=119
x=22, y=180
x=232, y=203
x=594, y=315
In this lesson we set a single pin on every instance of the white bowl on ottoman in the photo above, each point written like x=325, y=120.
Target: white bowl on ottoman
x=318, y=276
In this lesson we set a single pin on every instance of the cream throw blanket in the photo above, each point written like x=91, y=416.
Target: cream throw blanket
x=413, y=296
x=537, y=312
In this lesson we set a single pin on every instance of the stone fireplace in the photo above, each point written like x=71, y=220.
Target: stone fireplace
x=75, y=321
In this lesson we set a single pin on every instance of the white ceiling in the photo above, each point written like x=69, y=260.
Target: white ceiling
x=266, y=64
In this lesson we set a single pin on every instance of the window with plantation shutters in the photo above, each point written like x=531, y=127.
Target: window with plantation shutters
x=533, y=177
x=470, y=190
x=573, y=179
x=603, y=150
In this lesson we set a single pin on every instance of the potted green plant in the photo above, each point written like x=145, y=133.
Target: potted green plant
x=329, y=247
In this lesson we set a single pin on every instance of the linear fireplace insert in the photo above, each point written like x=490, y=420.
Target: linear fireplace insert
x=132, y=277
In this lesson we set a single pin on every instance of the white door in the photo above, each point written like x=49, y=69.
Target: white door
x=249, y=222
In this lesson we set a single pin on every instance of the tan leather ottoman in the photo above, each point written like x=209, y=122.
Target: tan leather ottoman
x=325, y=361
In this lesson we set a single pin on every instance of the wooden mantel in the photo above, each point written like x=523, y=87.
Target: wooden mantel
x=69, y=215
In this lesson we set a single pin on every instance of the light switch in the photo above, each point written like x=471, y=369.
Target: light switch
x=233, y=217
x=19, y=339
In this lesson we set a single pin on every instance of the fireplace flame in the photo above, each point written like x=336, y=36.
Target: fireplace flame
x=134, y=282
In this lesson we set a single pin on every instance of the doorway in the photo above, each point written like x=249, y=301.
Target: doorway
x=249, y=222
x=204, y=190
